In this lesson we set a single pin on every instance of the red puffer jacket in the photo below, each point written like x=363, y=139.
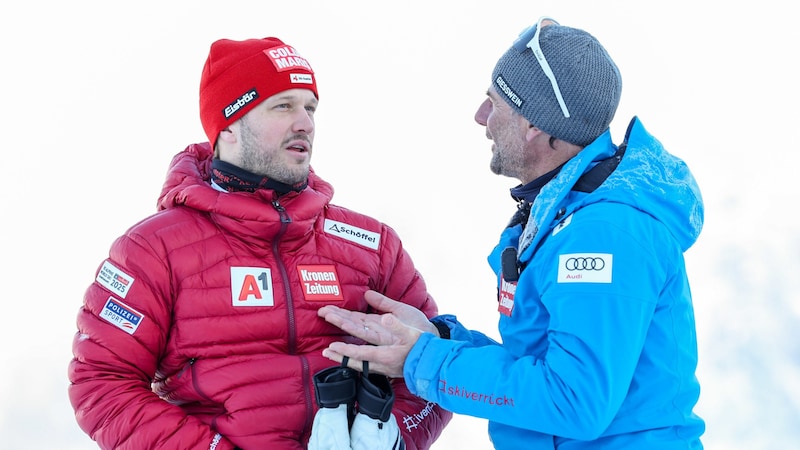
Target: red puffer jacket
x=200, y=331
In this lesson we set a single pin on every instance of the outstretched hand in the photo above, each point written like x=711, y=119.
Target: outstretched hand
x=393, y=333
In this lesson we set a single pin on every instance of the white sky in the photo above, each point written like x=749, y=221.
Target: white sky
x=97, y=98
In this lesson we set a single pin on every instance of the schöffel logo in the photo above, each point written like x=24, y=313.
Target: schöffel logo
x=353, y=234
x=240, y=102
x=585, y=268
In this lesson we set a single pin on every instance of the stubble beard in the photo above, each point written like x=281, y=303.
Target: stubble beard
x=496, y=163
x=261, y=160
x=504, y=163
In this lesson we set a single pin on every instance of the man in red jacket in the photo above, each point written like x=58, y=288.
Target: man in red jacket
x=200, y=330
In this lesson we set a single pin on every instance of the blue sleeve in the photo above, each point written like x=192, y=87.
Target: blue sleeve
x=459, y=332
x=571, y=345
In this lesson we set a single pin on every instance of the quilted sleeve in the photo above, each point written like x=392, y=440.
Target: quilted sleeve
x=122, y=331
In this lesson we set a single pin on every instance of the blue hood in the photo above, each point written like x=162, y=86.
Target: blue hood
x=656, y=182
x=647, y=178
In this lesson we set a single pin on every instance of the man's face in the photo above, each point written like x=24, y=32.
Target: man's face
x=507, y=131
x=276, y=137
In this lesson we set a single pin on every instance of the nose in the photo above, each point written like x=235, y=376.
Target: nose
x=482, y=114
x=304, y=122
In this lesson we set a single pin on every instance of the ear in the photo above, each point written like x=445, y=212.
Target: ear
x=532, y=132
x=227, y=135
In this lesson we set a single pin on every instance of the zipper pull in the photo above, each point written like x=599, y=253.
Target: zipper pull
x=282, y=211
x=186, y=366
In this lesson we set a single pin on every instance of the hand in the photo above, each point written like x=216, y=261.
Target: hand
x=368, y=327
x=393, y=334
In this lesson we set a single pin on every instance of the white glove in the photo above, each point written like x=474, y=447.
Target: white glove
x=375, y=427
x=330, y=430
x=372, y=434
x=335, y=391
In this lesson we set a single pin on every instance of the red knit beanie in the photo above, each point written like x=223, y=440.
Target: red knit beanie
x=238, y=75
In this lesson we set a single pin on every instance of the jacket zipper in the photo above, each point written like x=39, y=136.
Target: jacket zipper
x=285, y=221
x=292, y=332
x=186, y=367
x=196, y=385
x=196, y=382
x=310, y=400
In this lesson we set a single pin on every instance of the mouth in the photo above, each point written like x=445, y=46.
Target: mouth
x=299, y=146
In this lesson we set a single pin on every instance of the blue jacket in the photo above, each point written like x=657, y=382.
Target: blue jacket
x=598, y=334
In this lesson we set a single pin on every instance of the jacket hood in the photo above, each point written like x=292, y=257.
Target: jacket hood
x=249, y=215
x=656, y=182
x=188, y=183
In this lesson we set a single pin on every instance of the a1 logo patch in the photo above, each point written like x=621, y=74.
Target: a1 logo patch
x=251, y=286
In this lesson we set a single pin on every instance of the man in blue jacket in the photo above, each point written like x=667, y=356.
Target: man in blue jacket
x=595, y=312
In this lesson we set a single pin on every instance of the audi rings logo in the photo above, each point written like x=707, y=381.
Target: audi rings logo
x=585, y=268
x=583, y=263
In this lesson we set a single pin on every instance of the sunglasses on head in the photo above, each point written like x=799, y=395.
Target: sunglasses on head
x=529, y=39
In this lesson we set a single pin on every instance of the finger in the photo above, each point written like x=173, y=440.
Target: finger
x=354, y=351
x=381, y=330
x=334, y=313
x=375, y=365
x=346, y=320
x=352, y=362
x=327, y=310
x=331, y=315
x=338, y=357
x=381, y=302
x=332, y=355
x=337, y=351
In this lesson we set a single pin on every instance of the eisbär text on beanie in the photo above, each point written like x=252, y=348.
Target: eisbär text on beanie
x=238, y=75
x=561, y=80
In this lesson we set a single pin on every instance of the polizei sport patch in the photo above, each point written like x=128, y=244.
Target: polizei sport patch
x=585, y=268
x=121, y=315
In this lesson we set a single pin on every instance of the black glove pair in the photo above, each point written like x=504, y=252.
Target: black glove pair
x=364, y=393
x=355, y=411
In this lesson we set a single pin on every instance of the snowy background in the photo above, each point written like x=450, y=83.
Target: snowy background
x=97, y=96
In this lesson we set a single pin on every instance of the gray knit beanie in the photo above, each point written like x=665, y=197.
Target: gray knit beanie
x=589, y=82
